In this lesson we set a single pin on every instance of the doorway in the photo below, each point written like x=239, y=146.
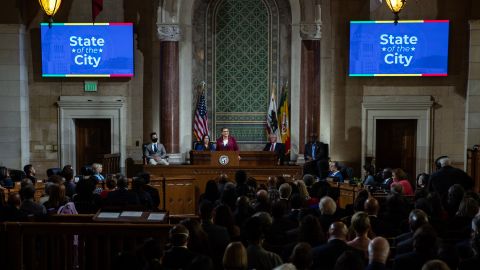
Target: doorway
x=396, y=144
x=93, y=140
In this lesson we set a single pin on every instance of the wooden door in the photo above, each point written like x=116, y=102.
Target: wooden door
x=93, y=140
x=396, y=144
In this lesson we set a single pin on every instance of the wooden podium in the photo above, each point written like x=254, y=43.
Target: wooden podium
x=230, y=158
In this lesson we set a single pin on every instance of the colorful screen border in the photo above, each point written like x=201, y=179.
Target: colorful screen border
x=403, y=74
x=88, y=75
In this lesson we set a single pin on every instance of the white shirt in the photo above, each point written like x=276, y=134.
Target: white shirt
x=225, y=142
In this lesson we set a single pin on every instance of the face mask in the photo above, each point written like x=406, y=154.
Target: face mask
x=154, y=140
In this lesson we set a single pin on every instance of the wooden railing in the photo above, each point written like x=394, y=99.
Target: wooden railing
x=473, y=167
x=44, y=245
x=111, y=163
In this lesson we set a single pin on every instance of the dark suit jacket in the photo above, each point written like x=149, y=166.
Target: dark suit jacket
x=218, y=238
x=177, y=258
x=122, y=198
x=231, y=146
x=447, y=176
x=279, y=150
x=411, y=261
x=321, y=151
x=260, y=259
x=326, y=255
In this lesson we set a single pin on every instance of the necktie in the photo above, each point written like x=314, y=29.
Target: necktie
x=155, y=148
x=272, y=147
x=313, y=151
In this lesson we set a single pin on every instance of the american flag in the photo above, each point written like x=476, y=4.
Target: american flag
x=200, y=123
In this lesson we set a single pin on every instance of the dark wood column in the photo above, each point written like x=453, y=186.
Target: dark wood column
x=310, y=91
x=169, y=96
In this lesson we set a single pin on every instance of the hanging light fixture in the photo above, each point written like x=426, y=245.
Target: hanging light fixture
x=396, y=6
x=50, y=7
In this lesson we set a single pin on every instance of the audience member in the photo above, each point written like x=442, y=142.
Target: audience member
x=30, y=172
x=122, y=198
x=327, y=208
x=378, y=251
x=400, y=177
x=152, y=191
x=302, y=256
x=447, y=176
x=224, y=217
x=349, y=260
x=67, y=174
x=435, y=265
x=138, y=187
x=404, y=242
x=386, y=178
x=361, y=227
x=29, y=207
x=241, y=179
x=335, y=171
x=56, y=199
x=326, y=255
x=86, y=202
x=218, y=236
x=198, y=238
x=378, y=225
x=258, y=257
x=243, y=210
x=97, y=172
x=178, y=256
x=211, y=194
x=111, y=184
x=235, y=257
x=425, y=247
x=262, y=204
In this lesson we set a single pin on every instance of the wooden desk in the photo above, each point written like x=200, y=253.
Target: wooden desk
x=247, y=158
x=348, y=193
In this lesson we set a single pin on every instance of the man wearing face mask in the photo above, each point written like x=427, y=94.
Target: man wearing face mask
x=155, y=152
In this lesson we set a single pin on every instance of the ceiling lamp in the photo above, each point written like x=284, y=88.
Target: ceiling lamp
x=50, y=7
x=396, y=6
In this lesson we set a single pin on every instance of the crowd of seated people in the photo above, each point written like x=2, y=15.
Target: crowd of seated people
x=287, y=224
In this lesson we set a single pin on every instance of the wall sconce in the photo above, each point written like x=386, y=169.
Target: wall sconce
x=50, y=7
x=396, y=6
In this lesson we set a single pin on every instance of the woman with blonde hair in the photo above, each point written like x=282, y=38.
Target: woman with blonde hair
x=235, y=257
x=302, y=189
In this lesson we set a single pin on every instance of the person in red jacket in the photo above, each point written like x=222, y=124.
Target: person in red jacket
x=226, y=142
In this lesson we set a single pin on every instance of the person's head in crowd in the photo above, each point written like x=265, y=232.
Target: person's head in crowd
x=122, y=182
x=205, y=211
x=285, y=191
x=334, y=193
x=416, y=219
x=240, y=177
x=337, y=230
x=55, y=179
x=368, y=170
x=308, y=179
x=211, y=191
x=334, y=166
x=398, y=174
x=224, y=217
x=198, y=238
x=145, y=176
x=327, y=206
x=252, y=182
x=371, y=206
x=201, y=262
x=361, y=223
x=262, y=196
x=27, y=192
x=67, y=173
x=424, y=205
x=137, y=183
x=435, y=265
x=254, y=230
x=378, y=250
x=387, y=173
x=280, y=180
x=229, y=196
x=422, y=180
x=476, y=226
x=97, y=168
x=396, y=189
x=57, y=195
x=359, y=203
x=468, y=208
x=4, y=173
x=294, y=188
x=349, y=260
x=111, y=182
x=302, y=256
x=85, y=187
x=14, y=200
x=455, y=194
x=235, y=257
x=444, y=161
x=243, y=202
x=302, y=189
x=425, y=241
x=311, y=231
x=472, y=194
x=29, y=170
x=154, y=137
x=179, y=236
x=320, y=189
x=265, y=219
x=152, y=250
x=449, y=254
x=25, y=182
x=272, y=182
x=297, y=201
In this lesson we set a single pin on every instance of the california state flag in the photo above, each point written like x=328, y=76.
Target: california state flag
x=283, y=117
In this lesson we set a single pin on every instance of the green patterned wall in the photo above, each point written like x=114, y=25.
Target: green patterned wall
x=241, y=67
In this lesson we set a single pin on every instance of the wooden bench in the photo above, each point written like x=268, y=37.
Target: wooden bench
x=45, y=245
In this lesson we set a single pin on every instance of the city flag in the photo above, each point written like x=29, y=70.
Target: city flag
x=284, y=119
x=272, y=120
x=200, y=122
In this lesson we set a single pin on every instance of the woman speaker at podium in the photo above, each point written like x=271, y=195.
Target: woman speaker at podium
x=226, y=142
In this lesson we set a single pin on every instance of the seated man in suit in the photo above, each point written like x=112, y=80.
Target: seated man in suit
x=316, y=157
x=155, y=152
x=278, y=148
